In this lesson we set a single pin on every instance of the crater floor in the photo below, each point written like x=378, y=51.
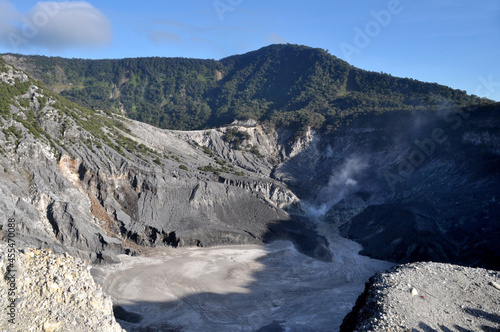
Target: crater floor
x=238, y=288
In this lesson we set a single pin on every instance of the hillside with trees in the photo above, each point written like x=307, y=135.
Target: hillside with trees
x=282, y=85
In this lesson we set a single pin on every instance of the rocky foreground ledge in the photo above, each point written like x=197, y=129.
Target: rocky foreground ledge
x=428, y=297
x=52, y=292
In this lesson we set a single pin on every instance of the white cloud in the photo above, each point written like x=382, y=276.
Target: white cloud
x=8, y=14
x=54, y=25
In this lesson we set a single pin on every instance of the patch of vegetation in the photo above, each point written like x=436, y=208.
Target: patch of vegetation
x=219, y=161
x=224, y=168
x=211, y=168
x=255, y=150
x=13, y=131
x=184, y=167
x=43, y=101
x=127, y=143
x=235, y=137
x=8, y=94
x=207, y=150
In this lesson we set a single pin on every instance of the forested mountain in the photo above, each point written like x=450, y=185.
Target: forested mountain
x=286, y=85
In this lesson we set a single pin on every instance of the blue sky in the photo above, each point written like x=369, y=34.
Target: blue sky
x=455, y=43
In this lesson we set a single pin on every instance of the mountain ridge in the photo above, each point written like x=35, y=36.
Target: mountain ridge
x=282, y=85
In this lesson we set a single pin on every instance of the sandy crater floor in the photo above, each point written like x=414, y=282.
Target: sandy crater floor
x=238, y=288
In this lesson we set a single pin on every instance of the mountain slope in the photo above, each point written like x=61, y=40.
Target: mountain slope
x=290, y=85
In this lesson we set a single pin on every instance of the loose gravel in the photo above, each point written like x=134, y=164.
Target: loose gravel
x=52, y=292
x=428, y=297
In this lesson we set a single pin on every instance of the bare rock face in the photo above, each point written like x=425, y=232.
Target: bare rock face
x=11, y=75
x=428, y=297
x=51, y=292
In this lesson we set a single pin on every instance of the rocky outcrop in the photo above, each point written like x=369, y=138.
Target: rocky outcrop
x=12, y=76
x=43, y=291
x=428, y=297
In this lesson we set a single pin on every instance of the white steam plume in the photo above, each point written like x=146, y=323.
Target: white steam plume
x=340, y=184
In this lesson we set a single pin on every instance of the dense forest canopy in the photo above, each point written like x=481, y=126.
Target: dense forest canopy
x=285, y=85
